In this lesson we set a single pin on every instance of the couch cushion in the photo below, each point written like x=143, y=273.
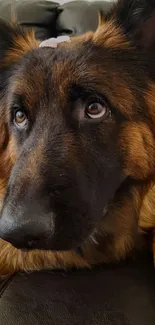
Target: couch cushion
x=49, y=19
x=38, y=14
x=78, y=17
x=110, y=295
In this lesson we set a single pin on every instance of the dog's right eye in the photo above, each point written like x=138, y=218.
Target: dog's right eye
x=96, y=110
x=20, y=119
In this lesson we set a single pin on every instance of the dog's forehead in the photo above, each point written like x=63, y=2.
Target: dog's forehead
x=85, y=59
x=47, y=74
x=53, y=70
x=79, y=62
x=49, y=61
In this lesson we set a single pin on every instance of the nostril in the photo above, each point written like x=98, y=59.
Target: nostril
x=32, y=243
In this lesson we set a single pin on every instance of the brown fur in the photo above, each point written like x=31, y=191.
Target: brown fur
x=21, y=45
x=137, y=142
x=130, y=207
x=112, y=36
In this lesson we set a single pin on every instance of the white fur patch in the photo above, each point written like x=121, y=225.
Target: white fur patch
x=53, y=42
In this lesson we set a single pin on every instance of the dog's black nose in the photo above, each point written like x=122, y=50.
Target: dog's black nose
x=26, y=234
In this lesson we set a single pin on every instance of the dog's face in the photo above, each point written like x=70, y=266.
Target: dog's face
x=76, y=125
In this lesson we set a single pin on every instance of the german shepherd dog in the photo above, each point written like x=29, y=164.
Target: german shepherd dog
x=77, y=143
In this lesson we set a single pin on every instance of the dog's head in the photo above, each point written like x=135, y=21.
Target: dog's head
x=76, y=123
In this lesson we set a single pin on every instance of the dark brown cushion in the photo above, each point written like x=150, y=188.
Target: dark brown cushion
x=113, y=295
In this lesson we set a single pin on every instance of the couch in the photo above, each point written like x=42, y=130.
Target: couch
x=122, y=294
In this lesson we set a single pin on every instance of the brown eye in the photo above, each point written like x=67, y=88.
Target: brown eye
x=96, y=110
x=20, y=119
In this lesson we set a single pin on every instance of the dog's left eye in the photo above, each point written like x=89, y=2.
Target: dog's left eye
x=96, y=110
x=20, y=119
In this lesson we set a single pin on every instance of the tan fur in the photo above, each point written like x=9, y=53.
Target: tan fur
x=101, y=20
x=126, y=211
x=20, y=47
x=13, y=260
x=137, y=142
x=150, y=100
x=111, y=36
x=147, y=213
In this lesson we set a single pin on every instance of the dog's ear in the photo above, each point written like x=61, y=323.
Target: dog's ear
x=137, y=18
x=101, y=19
x=14, y=42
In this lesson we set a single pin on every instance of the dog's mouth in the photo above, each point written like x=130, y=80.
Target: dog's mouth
x=93, y=238
x=47, y=242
